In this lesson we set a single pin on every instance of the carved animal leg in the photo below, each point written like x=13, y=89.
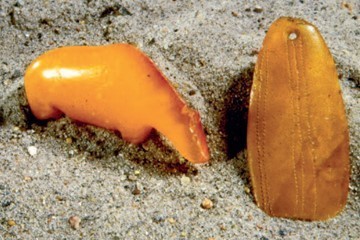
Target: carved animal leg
x=45, y=111
x=136, y=135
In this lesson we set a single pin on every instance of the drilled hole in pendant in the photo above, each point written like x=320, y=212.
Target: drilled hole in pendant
x=293, y=36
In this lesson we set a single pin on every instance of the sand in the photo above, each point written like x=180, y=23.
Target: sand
x=54, y=171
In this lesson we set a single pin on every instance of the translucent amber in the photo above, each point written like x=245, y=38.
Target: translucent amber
x=116, y=87
x=298, y=140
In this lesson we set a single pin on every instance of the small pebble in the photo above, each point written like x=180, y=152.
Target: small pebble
x=247, y=190
x=74, y=222
x=259, y=226
x=137, y=172
x=171, y=220
x=158, y=218
x=60, y=198
x=69, y=140
x=27, y=178
x=132, y=177
x=7, y=82
x=11, y=223
x=71, y=152
x=254, y=52
x=282, y=233
x=172, y=58
x=258, y=9
x=16, y=73
x=32, y=150
x=192, y=92
x=222, y=227
x=136, y=190
x=6, y=203
x=185, y=180
x=347, y=5
x=146, y=146
x=235, y=14
x=207, y=204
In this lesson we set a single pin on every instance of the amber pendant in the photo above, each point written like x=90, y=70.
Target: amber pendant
x=298, y=139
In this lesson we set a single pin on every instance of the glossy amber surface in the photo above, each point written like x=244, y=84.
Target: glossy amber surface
x=116, y=87
x=298, y=140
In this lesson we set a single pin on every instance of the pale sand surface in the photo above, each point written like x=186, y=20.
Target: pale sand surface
x=208, y=50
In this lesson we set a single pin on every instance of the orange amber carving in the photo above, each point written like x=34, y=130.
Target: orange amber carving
x=116, y=87
x=298, y=140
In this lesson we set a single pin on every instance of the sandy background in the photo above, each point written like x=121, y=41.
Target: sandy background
x=119, y=191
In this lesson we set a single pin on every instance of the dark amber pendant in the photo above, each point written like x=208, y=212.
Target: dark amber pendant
x=298, y=139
